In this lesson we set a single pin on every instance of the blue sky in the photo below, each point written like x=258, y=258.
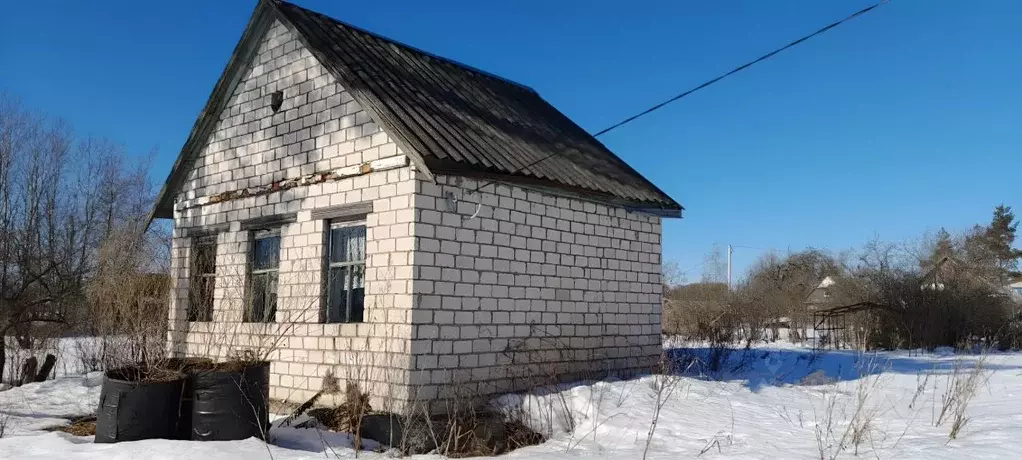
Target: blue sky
x=898, y=122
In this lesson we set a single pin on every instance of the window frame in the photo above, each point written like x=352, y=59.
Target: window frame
x=191, y=312
x=273, y=274
x=329, y=266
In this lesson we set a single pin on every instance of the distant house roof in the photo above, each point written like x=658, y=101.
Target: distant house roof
x=449, y=117
x=820, y=295
x=932, y=279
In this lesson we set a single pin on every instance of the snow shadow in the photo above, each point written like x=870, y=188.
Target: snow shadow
x=317, y=440
x=761, y=367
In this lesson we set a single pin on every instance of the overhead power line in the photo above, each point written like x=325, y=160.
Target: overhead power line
x=704, y=85
x=738, y=69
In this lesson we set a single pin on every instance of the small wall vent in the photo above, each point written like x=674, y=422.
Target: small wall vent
x=276, y=100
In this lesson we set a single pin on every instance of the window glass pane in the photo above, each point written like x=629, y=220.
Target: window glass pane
x=205, y=257
x=270, y=310
x=347, y=244
x=357, y=293
x=258, y=296
x=346, y=287
x=336, y=296
x=357, y=244
x=358, y=277
x=266, y=253
x=206, y=288
x=264, y=297
x=203, y=278
x=337, y=244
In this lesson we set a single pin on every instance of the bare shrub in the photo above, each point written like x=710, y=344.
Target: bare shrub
x=693, y=311
x=775, y=292
x=90, y=355
x=946, y=292
x=467, y=426
x=663, y=386
x=348, y=416
x=961, y=385
x=129, y=304
x=4, y=420
x=844, y=422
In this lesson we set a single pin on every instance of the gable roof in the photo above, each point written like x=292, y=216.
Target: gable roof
x=449, y=117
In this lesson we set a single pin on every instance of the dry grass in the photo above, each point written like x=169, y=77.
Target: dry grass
x=84, y=426
x=144, y=374
x=464, y=430
x=474, y=433
x=347, y=417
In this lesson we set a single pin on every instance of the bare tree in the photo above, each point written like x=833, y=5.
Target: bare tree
x=776, y=289
x=715, y=265
x=61, y=200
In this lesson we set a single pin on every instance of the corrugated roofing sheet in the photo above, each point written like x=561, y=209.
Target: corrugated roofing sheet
x=461, y=119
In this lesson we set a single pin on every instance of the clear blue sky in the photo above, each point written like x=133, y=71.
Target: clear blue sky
x=906, y=119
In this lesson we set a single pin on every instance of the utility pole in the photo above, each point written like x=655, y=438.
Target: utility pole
x=730, y=250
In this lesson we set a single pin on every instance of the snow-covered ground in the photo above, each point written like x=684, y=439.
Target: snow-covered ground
x=769, y=403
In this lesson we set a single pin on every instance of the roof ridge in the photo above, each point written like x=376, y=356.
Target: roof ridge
x=442, y=113
x=411, y=48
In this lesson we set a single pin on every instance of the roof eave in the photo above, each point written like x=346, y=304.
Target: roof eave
x=665, y=209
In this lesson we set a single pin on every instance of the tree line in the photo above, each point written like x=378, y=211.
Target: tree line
x=942, y=290
x=72, y=231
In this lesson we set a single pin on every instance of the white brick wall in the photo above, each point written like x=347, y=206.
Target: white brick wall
x=533, y=285
x=318, y=128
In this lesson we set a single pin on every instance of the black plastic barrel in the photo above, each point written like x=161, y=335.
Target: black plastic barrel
x=187, y=366
x=231, y=403
x=137, y=403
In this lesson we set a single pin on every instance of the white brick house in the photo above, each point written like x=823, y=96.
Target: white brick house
x=349, y=204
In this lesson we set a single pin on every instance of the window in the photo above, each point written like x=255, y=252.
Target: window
x=203, y=282
x=263, y=275
x=345, y=277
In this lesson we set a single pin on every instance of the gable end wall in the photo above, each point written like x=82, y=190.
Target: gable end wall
x=319, y=128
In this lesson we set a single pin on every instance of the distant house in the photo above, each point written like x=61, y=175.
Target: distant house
x=1015, y=288
x=366, y=208
x=821, y=296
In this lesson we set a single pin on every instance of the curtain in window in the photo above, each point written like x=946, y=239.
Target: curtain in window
x=346, y=279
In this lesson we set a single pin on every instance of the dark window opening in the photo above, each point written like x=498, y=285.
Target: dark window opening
x=345, y=277
x=263, y=271
x=203, y=280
